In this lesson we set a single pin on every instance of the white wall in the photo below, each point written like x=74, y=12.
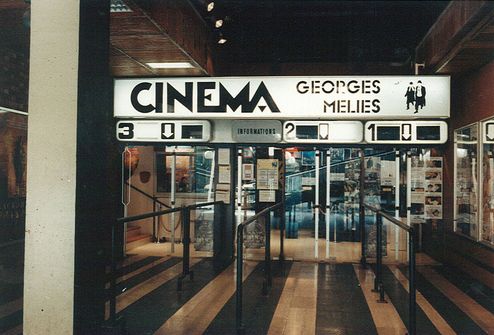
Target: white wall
x=140, y=204
x=51, y=168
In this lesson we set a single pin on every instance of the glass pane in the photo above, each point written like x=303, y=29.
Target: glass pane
x=193, y=168
x=466, y=181
x=487, y=234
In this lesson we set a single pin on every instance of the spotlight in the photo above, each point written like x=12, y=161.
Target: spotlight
x=218, y=23
x=210, y=6
x=221, y=39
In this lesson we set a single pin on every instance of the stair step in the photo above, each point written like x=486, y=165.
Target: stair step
x=133, y=231
x=137, y=237
x=137, y=241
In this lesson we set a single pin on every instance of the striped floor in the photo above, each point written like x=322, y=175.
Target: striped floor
x=305, y=298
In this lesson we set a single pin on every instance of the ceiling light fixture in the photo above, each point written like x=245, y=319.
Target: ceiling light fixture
x=118, y=6
x=171, y=65
x=218, y=23
x=222, y=40
x=210, y=6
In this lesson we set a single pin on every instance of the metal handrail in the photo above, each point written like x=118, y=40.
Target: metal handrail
x=338, y=163
x=265, y=213
x=378, y=285
x=186, y=246
x=155, y=201
x=148, y=215
x=390, y=218
x=147, y=195
x=186, y=241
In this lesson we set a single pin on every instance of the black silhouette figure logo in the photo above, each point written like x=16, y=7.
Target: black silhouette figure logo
x=419, y=96
x=410, y=95
x=415, y=95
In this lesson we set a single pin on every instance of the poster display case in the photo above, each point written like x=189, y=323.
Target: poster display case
x=466, y=181
x=487, y=183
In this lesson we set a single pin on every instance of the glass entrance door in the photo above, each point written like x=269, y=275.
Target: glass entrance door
x=301, y=189
x=322, y=227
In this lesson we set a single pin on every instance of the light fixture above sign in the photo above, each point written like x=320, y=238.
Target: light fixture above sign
x=171, y=65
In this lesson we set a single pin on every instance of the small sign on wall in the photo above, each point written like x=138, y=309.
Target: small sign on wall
x=247, y=171
x=267, y=174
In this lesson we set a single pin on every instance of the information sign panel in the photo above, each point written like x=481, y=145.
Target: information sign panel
x=406, y=132
x=163, y=131
x=488, y=131
x=259, y=131
x=322, y=132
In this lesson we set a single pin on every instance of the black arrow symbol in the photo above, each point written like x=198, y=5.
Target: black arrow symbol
x=406, y=132
x=167, y=130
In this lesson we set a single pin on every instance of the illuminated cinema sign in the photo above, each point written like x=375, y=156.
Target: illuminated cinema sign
x=352, y=97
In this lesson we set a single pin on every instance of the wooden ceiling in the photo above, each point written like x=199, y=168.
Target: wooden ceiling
x=461, y=40
x=268, y=37
x=160, y=32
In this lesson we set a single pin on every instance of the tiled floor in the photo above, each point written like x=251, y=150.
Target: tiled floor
x=330, y=296
x=313, y=296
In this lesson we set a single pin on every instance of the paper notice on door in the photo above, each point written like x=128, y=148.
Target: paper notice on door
x=267, y=196
x=224, y=174
x=267, y=174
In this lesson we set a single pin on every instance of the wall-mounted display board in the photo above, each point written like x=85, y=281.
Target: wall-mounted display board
x=284, y=98
x=406, y=132
x=322, y=132
x=163, y=131
x=426, y=189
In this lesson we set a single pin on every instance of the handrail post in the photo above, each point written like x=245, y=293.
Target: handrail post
x=267, y=254
x=411, y=283
x=186, y=241
x=113, y=280
x=154, y=221
x=379, y=258
x=186, y=248
x=363, y=260
x=377, y=276
x=353, y=219
x=282, y=230
x=238, y=304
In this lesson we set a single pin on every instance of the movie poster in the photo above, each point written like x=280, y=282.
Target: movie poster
x=372, y=187
x=433, y=188
x=417, y=180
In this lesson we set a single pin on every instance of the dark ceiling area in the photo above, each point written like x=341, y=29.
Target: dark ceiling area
x=279, y=37
x=14, y=54
x=322, y=31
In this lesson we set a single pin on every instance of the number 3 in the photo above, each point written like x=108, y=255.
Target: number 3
x=125, y=131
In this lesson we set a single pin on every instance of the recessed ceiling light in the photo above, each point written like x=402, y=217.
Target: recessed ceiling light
x=218, y=23
x=222, y=40
x=117, y=6
x=210, y=6
x=171, y=65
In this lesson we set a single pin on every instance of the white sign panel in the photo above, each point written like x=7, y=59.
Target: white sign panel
x=322, y=132
x=488, y=131
x=346, y=97
x=406, y=132
x=262, y=131
x=163, y=131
